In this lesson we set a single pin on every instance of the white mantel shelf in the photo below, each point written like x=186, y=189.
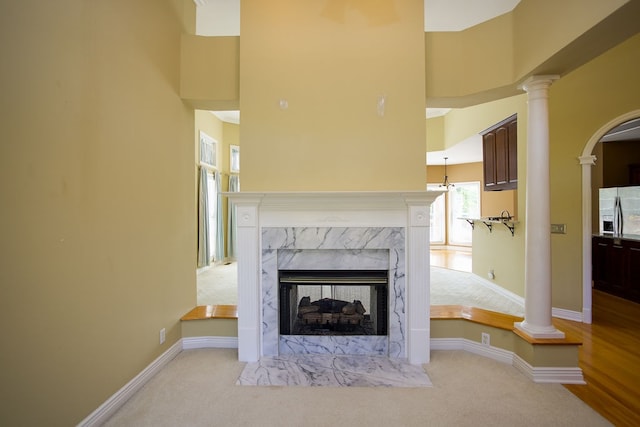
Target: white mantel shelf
x=337, y=199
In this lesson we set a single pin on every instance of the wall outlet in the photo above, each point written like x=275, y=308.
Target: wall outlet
x=162, y=335
x=486, y=339
x=491, y=274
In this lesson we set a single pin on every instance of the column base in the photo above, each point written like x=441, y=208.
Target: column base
x=539, y=332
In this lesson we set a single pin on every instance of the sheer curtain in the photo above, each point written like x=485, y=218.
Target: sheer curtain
x=203, y=220
x=219, y=252
x=234, y=187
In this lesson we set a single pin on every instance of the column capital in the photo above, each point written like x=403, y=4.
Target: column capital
x=587, y=160
x=538, y=82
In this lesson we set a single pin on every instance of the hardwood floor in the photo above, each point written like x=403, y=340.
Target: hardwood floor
x=609, y=358
x=453, y=259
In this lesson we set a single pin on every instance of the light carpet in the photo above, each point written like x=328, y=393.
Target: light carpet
x=198, y=388
x=322, y=370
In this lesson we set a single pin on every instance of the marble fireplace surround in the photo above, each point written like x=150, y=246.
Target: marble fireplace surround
x=359, y=230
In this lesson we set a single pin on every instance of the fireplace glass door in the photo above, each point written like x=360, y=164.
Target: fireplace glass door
x=333, y=302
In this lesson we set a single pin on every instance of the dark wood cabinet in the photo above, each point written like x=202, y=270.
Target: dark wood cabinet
x=500, y=155
x=634, y=174
x=616, y=266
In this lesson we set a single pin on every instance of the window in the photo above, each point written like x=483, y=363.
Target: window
x=464, y=201
x=212, y=204
x=208, y=149
x=234, y=159
x=437, y=222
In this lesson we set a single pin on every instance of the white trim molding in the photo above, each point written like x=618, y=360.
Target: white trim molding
x=541, y=374
x=191, y=343
x=562, y=313
x=474, y=347
x=586, y=160
x=537, y=374
x=111, y=405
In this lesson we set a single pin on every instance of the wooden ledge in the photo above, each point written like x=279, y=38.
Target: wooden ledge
x=439, y=312
x=476, y=315
x=496, y=320
x=202, y=312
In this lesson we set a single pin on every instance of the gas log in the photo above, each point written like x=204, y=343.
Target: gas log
x=330, y=311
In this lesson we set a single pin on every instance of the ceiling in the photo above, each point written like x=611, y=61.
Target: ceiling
x=625, y=132
x=222, y=17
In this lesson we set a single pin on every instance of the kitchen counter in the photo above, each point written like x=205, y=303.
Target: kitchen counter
x=632, y=237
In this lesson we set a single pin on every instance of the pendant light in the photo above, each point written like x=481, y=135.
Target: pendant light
x=446, y=183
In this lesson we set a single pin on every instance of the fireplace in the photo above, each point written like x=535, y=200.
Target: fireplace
x=298, y=235
x=333, y=302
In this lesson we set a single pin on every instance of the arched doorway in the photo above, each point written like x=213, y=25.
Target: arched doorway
x=587, y=160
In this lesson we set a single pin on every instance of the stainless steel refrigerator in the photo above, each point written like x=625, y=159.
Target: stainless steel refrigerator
x=620, y=211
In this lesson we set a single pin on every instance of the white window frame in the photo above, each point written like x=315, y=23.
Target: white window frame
x=234, y=159
x=454, y=217
x=438, y=217
x=208, y=151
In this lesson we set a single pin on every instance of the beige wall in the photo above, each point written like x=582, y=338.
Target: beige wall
x=209, y=68
x=542, y=28
x=97, y=165
x=487, y=61
x=579, y=105
x=98, y=217
x=331, y=65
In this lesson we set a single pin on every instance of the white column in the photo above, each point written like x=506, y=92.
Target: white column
x=587, y=163
x=537, y=305
x=418, y=283
x=248, y=258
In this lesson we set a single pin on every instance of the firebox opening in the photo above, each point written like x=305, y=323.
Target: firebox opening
x=333, y=302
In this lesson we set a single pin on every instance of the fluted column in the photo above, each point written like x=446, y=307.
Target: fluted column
x=248, y=258
x=418, y=282
x=537, y=306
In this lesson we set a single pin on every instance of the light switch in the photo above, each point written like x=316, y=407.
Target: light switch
x=559, y=228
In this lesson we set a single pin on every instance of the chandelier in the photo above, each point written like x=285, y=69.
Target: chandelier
x=446, y=184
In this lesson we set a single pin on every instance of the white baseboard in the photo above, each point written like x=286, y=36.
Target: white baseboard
x=209, y=342
x=541, y=374
x=108, y=408
x=474, y=347
x=111, y=405
x=549, y=374
x=561, y=313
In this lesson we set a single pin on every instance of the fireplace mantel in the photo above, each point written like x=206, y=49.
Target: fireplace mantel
x=351, y=211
